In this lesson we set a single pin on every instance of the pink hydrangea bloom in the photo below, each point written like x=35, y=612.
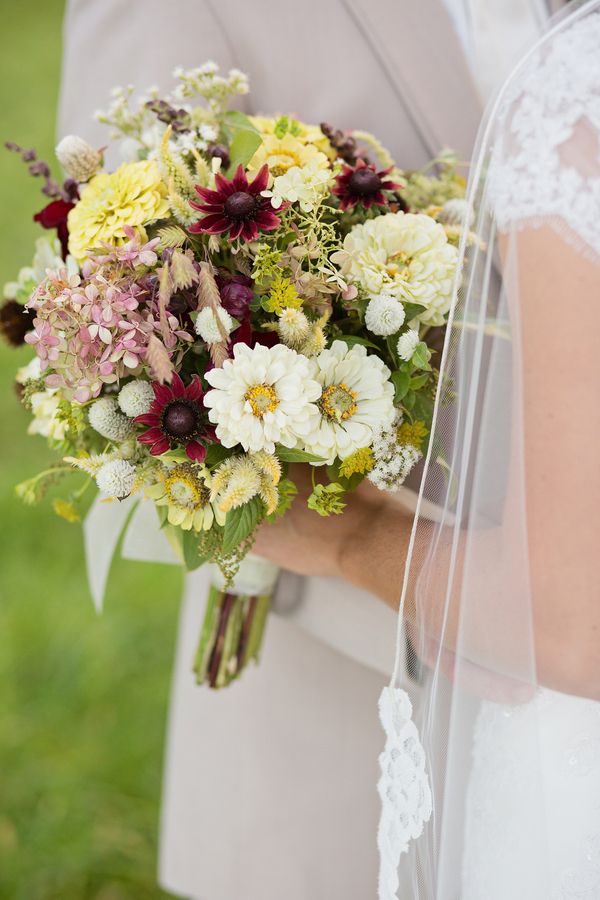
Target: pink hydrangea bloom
x=94, y=329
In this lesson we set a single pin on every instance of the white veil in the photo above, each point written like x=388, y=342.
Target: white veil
x=471, y=596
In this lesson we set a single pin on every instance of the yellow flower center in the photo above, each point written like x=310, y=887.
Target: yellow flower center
x=399, y=264
x=282, y=160
x=338, y=402
x=262, y=399
x=183, y=488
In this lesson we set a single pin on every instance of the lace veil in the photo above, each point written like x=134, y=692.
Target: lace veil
x=470, y=597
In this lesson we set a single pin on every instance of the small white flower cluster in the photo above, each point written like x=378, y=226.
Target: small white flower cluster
x=306, y=185
x=106, y=418
x=206, y=82
x=207, y=326
x=393, y=461
x=136, y=398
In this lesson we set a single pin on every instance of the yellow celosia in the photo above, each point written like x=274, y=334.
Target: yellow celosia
x=358, y=463
x=133, y=195
x=240, y=478
x=283, y=295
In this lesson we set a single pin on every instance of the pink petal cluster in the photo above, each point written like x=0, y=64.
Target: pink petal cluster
x=94, y=329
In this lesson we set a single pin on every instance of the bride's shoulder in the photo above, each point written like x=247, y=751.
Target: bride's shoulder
x=545, y=132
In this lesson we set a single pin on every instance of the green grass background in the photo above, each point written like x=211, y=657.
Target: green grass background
x=83, y=698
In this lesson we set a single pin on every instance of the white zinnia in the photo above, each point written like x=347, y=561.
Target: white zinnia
x=407, y=344
x=207, y=326
x=404, y=255
x=262, y=397
x=106, y=418
x=357, y=398
x=116, y=478
x=136, y=398
x=384, y=315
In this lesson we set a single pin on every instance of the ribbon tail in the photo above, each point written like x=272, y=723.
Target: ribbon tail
x=102, y=530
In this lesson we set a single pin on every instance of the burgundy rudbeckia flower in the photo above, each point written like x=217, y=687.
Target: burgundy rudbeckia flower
x=363, y=184
x=177, y=417
x=54, y=215
x=236, y=206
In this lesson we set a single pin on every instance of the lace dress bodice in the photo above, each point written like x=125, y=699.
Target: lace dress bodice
x=545, y=165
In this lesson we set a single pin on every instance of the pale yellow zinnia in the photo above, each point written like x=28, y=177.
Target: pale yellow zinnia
x=307, y=134
x=280, y=154
x=134, y=195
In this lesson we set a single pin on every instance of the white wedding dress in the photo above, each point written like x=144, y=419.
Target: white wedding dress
x=534, y=791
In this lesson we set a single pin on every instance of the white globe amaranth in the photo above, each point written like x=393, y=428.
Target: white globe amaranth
x=136, y=398
x=116, y=478
x=357, y=398
x=78, y=158
x=207, y=326
x=407, y=344
x=403, y=255
x=456, y=211
x=106, y=418
x=384, y=315
x=262, y=397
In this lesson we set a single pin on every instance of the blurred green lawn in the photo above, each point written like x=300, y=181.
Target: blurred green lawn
x=82, y=699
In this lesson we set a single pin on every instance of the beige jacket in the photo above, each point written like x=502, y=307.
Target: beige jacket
x=270, y=786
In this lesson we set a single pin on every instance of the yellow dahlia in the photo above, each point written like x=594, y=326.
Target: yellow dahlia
x=133, y=195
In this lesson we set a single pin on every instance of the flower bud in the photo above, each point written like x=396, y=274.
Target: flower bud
x=79, y=160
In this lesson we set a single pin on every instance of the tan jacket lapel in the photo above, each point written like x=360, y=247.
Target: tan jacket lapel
x=423, y=59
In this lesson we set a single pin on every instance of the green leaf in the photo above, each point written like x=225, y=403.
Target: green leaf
x=286, y=454
x=240, y=523
x=422, y=408
x=420, y=381
x=352, y=339
x=421, y=356
x=409, y=400
x=190, y=546
x=412, y=309
x=234, y=119
x=216, y=454
x=243, y=147
x=244, y=139
x=401, y=382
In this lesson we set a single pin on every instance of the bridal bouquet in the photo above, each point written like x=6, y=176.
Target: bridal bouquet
x=238, y=294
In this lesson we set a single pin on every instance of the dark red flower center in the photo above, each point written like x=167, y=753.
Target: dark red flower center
x=240, y=205
x=180, y=419
x=364, y=182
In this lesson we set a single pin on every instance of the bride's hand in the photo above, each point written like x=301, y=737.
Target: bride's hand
x=360, y=546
